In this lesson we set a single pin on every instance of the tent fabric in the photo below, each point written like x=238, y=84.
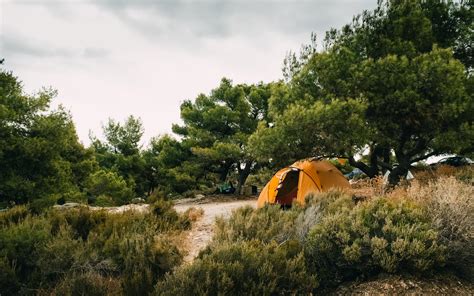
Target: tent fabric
x=300, y=180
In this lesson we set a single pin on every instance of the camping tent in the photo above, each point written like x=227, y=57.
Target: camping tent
x=299, y=180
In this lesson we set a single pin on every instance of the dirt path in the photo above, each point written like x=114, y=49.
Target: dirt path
x=201, y=232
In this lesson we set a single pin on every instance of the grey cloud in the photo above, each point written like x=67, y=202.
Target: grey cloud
x=216, y=19
x=12, y=44
x=95, y=52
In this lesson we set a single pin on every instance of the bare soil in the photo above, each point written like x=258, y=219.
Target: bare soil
x=201, y=233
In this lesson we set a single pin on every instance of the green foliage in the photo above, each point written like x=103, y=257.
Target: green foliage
x=390, y=82
x=120, y=152
x=166, y=213
x=40, y=154
x=102, y=184
x=124, y=139
x=88, y=283
x=58, y=251
x=379, y=235
x=266, y=224
x=250, y=268
x=216, y=127
x=168, y=166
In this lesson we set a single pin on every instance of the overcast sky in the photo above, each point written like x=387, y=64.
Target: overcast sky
x=114, y=58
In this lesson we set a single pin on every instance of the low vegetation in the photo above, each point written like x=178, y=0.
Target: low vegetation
x=421, y=229
x=87, y=252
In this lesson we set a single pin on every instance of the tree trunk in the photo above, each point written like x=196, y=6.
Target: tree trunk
x=225, y=171
x=243, y=174
x=401, y=170
x=396, y=175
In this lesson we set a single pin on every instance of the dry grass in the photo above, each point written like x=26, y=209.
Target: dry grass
x=368, y=187
x=194, y=213
x=450, y=204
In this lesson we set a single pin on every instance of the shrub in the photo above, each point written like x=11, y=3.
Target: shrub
x=451, y=208
x=267, y=224
x=146, y=259
x=62, y=251
x=21, y=246
x=13, y=215
x=58, y=255
x=168, y=216
x=373, y=236
x=193, y=213
x=40, y=205
x=245, y=268
x=88, y=283
x=466, y=175
x=9, y=282
x=81, y=220
x=270, y=223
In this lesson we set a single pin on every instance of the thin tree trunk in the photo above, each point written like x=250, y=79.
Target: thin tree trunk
x=225, y=171
x=243, y=175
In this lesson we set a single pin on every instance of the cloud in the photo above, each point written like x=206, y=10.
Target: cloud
x=91, y=52
x=12, y=45
x=116, y=58
x=192, y=20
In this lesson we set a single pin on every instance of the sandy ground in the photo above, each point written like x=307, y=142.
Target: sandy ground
x=201, y=232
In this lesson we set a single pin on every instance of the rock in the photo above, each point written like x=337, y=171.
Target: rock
x=137, y=200
x=68, y=205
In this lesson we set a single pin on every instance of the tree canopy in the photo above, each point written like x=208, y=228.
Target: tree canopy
x=389, y=83
x=40, y=155
x=216, y=127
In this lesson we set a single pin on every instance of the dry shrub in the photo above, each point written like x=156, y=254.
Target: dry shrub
x=450, y=204
x=466, y=175
x=432, y=173
x=13, y=215
x=194, y=214
x=369, y=187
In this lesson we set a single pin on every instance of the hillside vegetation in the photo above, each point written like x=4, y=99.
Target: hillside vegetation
x=88, y=252
x=384, y=93
x=423, y=230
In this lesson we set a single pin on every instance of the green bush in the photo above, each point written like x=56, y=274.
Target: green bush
x=40, y=205
x=13, y=215
x=245, y=268
x=144, y=261
x=62, y=251
x=270, y=223
x=87, y=283
x=21, y=246
x=164, y=211
x=374, y=236
x=267, y=224
x=9, y=282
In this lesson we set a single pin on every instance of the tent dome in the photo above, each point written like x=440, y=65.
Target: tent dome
x=300, y=179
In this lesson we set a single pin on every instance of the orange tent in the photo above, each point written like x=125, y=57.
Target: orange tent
x=299, y=180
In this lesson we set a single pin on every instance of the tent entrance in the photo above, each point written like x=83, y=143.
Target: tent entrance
x=288, y=188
